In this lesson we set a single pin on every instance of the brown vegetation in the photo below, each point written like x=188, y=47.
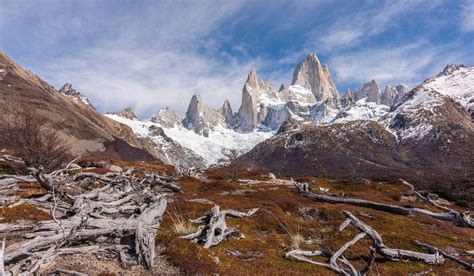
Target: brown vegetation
x=28, y=139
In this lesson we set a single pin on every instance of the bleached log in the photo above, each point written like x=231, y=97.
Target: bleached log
x=145, y=232
x=125, y=207
x=458, y=218
x=434, y=250
x=387, y=252
x=60, y=271
x=2, y=265
x=347, y=269
x=215, y=227
x=394, y=209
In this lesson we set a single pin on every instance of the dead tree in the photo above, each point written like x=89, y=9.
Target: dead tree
x=28, y=138
x=125, y=206
x=339, y=264
x=458, y=218
x=215, y=227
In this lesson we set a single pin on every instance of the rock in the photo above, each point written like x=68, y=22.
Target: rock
x=408, y=199
x=201, y=118
x=167, y=118
x=68, y=91
x=271, y=176
x=312, y=75
x=393, y=94
x=229, y=116
x=370, y=91
x=348, y=98
x=126, y=113
x=114, y=168
x=248, y=114
x=282, y=86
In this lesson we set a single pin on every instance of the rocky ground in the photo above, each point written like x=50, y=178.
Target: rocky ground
x=284, y=221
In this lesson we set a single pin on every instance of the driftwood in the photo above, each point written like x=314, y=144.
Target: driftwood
x=2, y=265
x=341, y=265
x=458, y=218
x=215, y=228
x=127, y=208
x=433, y=250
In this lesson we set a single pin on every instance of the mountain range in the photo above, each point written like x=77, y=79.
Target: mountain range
x=425, y=134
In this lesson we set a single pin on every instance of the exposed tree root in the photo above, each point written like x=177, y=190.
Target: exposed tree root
x=123, y=217
x=215, y=227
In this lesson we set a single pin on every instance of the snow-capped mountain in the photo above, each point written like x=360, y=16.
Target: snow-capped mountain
x=68, y=91
x=427, y=137
x=312, y=96
x=457, y=82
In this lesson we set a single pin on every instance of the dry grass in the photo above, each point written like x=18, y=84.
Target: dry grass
x=181, y=224
x=269, y=236
x=278, y=226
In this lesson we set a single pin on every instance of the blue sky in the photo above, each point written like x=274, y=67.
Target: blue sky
x=152, y=54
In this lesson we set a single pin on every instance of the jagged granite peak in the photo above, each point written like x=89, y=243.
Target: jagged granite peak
x=393, y=94
x=194, y=112
x=312, y=75
x=369, y=90
x=266, y=85
x=167, y=118
x=252, y=80
x=282, y=87
x=126, y=113
x=229, y=116
x=201, y=118
x=68, y=91
x=248, y=113
x=347, y=99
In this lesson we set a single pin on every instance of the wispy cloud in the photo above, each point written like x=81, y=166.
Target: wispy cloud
x=467, y=16
x=353, y=26
x=151, y=54
x=408, y=64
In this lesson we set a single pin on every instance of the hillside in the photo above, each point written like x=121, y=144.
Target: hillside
x=284, y=221
x=78, y=124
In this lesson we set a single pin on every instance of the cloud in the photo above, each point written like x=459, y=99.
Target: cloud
x=467, y=16
x=151, y=54
x=408, y=64
x=356, y=24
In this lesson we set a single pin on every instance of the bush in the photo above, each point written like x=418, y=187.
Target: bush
x=27, y=138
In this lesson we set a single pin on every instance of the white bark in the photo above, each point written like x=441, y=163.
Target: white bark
x=215, y=228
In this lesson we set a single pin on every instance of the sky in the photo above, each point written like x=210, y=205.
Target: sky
x=151, y=54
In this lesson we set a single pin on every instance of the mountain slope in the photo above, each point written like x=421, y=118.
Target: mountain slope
x=427, y=138
x=85, y=129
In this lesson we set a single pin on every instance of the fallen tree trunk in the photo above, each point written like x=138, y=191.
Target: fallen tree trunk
x=458, y=218
x=125, y=208
x=339, y=264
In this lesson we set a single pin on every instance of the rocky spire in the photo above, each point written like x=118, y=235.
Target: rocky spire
x=226, y=111
x=347, y=99
x=369, y=90
x=402, y=90
x=248, y=114
x=201, y=118
x=252, y=80
x=315, y=77
x=282, y=86
x=194, y=112
x=68, y=91
x=393, y=94
x=167, y=118
x=126, y=113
